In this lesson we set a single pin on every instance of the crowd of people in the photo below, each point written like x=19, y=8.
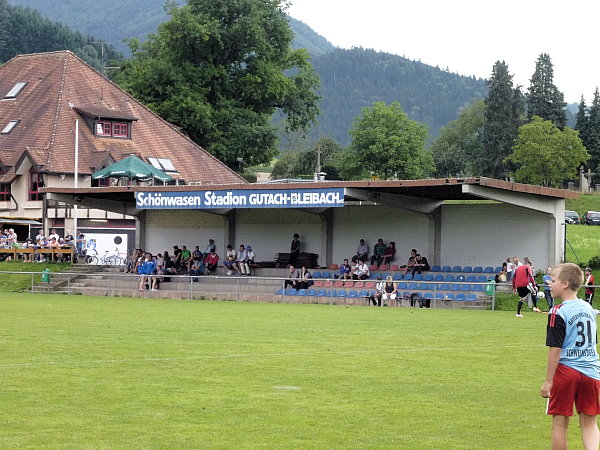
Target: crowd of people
x=9, y=239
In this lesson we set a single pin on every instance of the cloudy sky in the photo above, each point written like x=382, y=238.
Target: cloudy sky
x=469, y=36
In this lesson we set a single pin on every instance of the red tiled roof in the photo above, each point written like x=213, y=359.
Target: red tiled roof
x=59, y=84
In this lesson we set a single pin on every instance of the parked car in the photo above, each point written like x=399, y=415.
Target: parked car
x=572, y=217
x=592, y=218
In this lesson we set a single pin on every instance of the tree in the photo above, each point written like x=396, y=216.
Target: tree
x=294, y=164
x=543, y=98
x=504, y=111
x=592, y=135
x=389, y=145
x=457, y=150
x=219, y=70
x=581, y=121
x=546, y=155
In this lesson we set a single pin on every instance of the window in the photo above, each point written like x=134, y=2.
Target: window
x=8, y=128
x=113, y=129
x=35, y=182
x=4, y=192
x=17, y=88
x=164, y=164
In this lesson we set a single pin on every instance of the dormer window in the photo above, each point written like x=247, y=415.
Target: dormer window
x=112, y=129
x=17, y=88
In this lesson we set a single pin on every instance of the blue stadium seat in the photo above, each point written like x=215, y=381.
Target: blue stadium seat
x=316, y=274
x=291, y=291
x=436, y=268
x=471, y=279
x=481, y=279
x=465, y=287
x=446, y=269
x=326, y=275
x=460, y=297
x=467, y=269
x=488, y=269
x=301, y=292
x=444, y=287
x=312, y=292
x=456, y=269
x=279, y=292
x=341, y=293
x=498, y=269
x=353, y=294
x=408, y=276
x=374, y=276
x=440, y=296
x=418, y=277
x=402, y=285
x=471, y=297
x=428, y=277
x=397, y=276
x=321, y=293
x=428, y=295
x=328, y=293
x=438, y=277
x=455, y=287
x=413, y=286
x=424, y=286
x=363, y=293
x=449, y=296
x=460, y=278
x=477, y=269
x=449, y=278
x=478, y=288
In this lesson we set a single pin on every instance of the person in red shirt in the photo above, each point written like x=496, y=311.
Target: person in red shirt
x=589, y=282
x=522, y=282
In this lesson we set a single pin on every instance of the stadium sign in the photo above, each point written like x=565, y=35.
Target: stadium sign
x=251, y=198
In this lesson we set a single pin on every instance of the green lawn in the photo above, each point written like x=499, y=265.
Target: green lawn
x=585, y=243
x=90, y=372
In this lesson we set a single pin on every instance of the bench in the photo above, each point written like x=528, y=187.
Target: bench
x=308, y=260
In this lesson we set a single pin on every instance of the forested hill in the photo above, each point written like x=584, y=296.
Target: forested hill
x=353, y=79
x=23, y=30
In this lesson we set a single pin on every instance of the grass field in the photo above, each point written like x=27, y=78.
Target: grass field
x=90, y=372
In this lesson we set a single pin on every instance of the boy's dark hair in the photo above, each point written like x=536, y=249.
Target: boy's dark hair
x=570, y=273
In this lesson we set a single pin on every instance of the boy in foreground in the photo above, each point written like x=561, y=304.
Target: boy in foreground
x=573, y=373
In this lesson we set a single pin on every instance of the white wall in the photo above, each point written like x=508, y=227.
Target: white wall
x=166, y=228
x=487, y=234
x=407, y=229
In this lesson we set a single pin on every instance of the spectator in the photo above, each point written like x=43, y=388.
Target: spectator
x=421, y=264
x=211, y=261
x=241, y=263
x=305, y=279
x=197, y=268
x=69, y=236
x=293, y=277
x=510, y=269
x=251, y=259
x=53, y=234
x=362, y=271
x=378, y=251
x=389, y=254
x=362, y=252
x=197, y=255
x=229, y=260
x=186, y=259
x=146, y=269
x=390, y=290
x=547, y=292
x=11, y=238
x=502, y=276
x=410, y=263
x=589, y=282
x=211, y=246
x=376, y=297
x=294, y=249
x=345, y=271
x=524, y=286
x=176, y=257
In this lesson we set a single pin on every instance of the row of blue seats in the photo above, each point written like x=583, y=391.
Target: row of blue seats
x=420, y=277
x=364, y=293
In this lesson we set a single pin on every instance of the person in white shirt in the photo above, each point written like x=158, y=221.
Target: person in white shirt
x=361, y=272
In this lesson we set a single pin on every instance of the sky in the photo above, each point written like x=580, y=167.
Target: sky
x=469, y=36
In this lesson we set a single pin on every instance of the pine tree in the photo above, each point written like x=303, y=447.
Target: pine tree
x=581, y=121
x=504, y=109
x=543, y=98
x=592, y=141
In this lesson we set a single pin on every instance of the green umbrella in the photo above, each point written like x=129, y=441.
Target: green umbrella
x=133, y=168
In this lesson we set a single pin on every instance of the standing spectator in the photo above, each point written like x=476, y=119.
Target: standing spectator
x=378, y=251
x=11, y=238
x=294, y=249
x=524, y=286
x=211, y=261
x=589, y=282
x=53, y=234
x=362, y=252
x=510, y=269
x=547, y=292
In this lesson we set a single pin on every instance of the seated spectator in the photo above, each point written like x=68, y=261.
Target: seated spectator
x=53, y=243
x=211, y=246
x=502, y=276
x=305, y=279
x=197, y=255
x=362, y=252
x=211, y=261
x=53, y=234
x=361, y=272
x=293, y=278
x=176, y=257
x=510, y=269
x=186, y=258
x=229, y=260
x=345, y=271
x=389, y=254
x=390, y=290
x=197, y=268
x=376, y=297
x=378, y=251
x=251, y=259
x=410, y=263
x=169, y=266
x=421, y=264
x=241, y=262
